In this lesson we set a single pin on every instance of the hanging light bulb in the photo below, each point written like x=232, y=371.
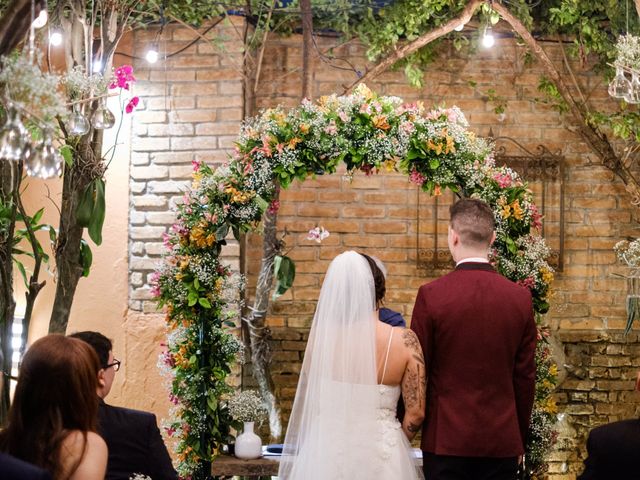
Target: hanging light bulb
x=78, y=123
x=96, y=67
x=152, y=54
x=459, y=28
x=619, y=87
x=103, y=117
x=45, y=160
x=55, y=38
x=14, y=138
x=488, y=40
x=41, y=20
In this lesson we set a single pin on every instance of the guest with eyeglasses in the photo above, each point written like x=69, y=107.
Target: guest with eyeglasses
x=134, y=441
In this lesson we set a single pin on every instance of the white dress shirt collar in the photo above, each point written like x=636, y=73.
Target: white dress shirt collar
x=473, y=260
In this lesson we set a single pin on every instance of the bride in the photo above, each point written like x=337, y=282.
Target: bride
x=343, y=424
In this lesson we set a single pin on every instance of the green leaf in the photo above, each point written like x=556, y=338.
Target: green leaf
x=434, y=163
x=192, y=299
x=284, y=270
x=67, y=154
x=37, y=216
x=86, y=258
x=22, y=272
x=204, y=302
x=196, y=283
x=85, y=206
x=97, y=215
x=222, y=231
x=262, y=203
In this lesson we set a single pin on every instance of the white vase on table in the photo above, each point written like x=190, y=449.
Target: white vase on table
x=248, y=444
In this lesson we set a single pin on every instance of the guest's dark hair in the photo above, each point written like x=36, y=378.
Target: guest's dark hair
x=101, y=344
x=473, y=220
x=378, y=279
x=55, y=395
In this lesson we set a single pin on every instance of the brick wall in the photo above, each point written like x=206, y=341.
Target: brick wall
x=192, y=105
x=192, y=109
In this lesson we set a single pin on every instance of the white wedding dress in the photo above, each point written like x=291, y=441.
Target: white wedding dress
x=343, y=423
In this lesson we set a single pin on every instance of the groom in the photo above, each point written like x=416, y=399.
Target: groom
x=478, y=336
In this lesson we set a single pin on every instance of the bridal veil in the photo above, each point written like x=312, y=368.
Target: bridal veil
x=333, y=422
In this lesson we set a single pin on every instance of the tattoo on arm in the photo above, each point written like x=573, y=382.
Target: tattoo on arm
x=411, y=341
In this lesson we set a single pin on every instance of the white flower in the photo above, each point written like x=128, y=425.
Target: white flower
x=139, y=476
x=318, y=234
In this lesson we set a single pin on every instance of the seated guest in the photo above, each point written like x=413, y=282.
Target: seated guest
x=13, y=469
x=134, y=441
x=52, y=420
x=612, y=450
x=379, y=272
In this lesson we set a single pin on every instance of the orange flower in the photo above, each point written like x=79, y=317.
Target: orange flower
x=380, y=121
x=293, y=142
x=437, y=191
x=304, y=128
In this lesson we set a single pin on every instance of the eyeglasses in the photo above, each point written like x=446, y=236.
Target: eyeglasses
x=115, y=365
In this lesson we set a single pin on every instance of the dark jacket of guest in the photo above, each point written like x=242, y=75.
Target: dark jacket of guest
x=613, y=452
x=478, y=336
x=13, y=469
x=390, y=317
x=135, y=444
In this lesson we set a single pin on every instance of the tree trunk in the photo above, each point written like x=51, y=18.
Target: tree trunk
x=259, y=332
x=307, y=40
x=9, y=184
x=254, y=326
x=15, y=23
x=86, y=167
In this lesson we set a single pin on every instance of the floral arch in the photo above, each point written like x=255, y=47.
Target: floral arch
x=368, y=133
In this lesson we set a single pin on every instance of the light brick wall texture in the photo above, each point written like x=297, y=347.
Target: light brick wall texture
x=193, y=108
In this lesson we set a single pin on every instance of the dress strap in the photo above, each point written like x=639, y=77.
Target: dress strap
x=384, y=369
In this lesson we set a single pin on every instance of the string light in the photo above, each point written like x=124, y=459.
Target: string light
x=459, y=28
x=488, y=40
x=97, y=66
x=41, y=21
x=152, y=54
x=55, y=38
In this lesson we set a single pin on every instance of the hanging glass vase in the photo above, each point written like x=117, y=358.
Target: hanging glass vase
x=634, y=92
x=14, y=138
x=45, y=161
x=78, y=123
x=619, y=87
x=103, y=118
x=633, y=298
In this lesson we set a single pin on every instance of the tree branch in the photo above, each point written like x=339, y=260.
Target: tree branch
x=638, y=7
x=15, y=23
x=596, y=139
x=418, y=43
x=307, y=32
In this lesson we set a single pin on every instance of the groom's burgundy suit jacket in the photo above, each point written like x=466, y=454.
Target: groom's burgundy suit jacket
x=478, y=336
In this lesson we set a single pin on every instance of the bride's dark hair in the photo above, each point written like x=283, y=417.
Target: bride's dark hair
x=55, y=395
x=378, y=279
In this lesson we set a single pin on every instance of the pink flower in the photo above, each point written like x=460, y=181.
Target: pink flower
x=528, y=282
x=416, y=177
x=367, y=169
x=196, y=165
x=343, y=116
x=133, y=103
x=318, y=234
x=504, y=180
x=536, y=218
x=273, y=208
x=170, y=431
x=407, y=127
x=331, y=129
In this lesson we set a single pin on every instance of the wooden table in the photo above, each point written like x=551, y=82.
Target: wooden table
x=227, y=465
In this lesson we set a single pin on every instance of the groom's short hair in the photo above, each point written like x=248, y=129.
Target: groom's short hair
x=473, y=221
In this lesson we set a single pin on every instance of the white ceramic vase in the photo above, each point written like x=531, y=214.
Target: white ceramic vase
x=248, y=444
